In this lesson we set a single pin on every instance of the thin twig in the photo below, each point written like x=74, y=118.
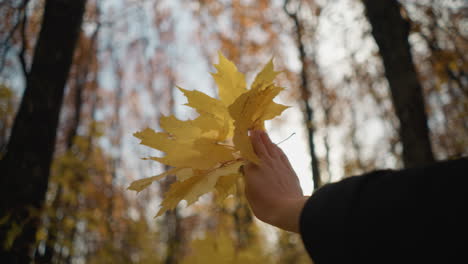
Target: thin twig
x=22, y=52
x=294, y=133
x=21, y=22
x=6, y=45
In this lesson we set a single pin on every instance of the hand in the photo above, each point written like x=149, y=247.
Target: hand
x=272, y=187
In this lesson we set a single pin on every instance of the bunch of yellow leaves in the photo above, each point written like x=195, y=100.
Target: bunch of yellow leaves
x=207, y=152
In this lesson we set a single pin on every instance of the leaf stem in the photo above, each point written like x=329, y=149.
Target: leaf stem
x=286, y=138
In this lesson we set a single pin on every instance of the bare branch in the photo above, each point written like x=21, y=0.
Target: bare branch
x=20, y=23
x=6, y=44
x=22, y=52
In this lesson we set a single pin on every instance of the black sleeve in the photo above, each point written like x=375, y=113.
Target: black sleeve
x=408, y=216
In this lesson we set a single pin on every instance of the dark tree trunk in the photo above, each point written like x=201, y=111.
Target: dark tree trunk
x=173, y=232
x=172, y=220
x=26, y=165
x=305, y=96
x=78, y=84
x=390, y=31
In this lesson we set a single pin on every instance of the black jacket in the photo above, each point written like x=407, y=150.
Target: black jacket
x=414, y=215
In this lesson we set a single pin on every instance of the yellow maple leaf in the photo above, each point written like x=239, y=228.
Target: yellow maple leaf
x=225, y=186
x=231, y=83
x=140, y=185
x=265, y=77
x=194, y=187
x=252, y=108
x=213, y=113
x=207, y=152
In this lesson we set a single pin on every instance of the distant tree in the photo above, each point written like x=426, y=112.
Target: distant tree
x=305, y=90
x=390, y=31
x=440, y=54
x=26, y=165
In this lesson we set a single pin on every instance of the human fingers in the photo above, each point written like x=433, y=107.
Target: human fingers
x=283, y=156
x=269, y=146
x=258, y=144
x=253, y=181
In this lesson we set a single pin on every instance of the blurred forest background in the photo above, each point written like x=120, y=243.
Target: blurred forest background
x=373, y=84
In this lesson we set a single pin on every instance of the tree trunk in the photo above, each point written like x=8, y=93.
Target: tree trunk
x=390, y=31
x=26, y=165
x=305, y=96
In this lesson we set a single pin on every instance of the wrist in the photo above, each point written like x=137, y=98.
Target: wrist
x=288, y=213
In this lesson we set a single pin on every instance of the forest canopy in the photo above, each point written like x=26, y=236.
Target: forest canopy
x=370, y=85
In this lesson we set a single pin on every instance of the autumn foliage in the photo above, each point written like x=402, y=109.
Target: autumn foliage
x=207, y=152
x=128, y=62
